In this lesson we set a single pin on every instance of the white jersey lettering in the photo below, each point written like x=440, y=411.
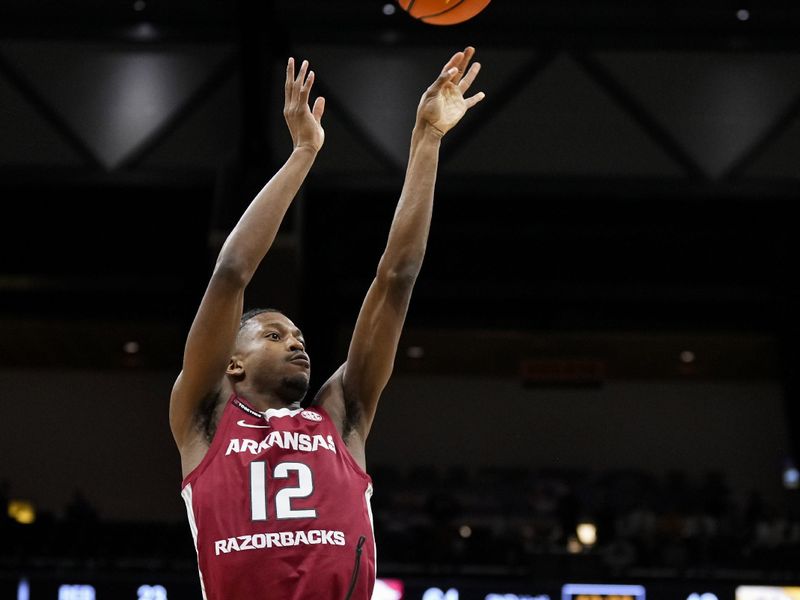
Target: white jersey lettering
x=290, y=439
x=280, y=539
x=287, y=440
x=233, y=446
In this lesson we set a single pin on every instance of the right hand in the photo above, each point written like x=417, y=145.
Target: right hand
x=305, y=125
x=443, y=103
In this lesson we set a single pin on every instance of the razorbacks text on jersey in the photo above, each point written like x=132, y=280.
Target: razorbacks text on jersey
x=279, y=509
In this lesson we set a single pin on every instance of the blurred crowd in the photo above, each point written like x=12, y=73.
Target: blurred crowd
x=606, y=523
x=508, y=520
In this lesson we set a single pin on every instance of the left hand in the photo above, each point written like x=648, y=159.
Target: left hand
x=443, y=103
x=305, y=124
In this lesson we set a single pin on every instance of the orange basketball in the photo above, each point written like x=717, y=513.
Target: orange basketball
x=443, y=12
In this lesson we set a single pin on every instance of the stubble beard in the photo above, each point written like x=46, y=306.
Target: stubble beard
x=294, y=388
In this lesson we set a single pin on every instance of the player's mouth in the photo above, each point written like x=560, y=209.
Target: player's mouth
x=300, y=359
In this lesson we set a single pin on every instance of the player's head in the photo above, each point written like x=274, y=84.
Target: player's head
x=254, y=312
x=270, y=354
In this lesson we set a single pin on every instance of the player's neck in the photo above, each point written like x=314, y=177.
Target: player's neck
x=261, y=400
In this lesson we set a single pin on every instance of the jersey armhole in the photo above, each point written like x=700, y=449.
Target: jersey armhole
x=213, y=449
x=345, y=450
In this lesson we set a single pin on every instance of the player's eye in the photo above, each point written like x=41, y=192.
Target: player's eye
x=273, y=336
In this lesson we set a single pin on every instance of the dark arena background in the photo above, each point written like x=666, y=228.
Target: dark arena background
x=596, y=393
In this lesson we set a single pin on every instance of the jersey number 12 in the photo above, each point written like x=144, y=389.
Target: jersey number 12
x=283, y=499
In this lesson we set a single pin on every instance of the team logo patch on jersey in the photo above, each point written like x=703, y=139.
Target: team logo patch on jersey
x=311, y=416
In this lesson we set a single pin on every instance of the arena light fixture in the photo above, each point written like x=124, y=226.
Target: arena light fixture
x=22, y=511
x=587, y=533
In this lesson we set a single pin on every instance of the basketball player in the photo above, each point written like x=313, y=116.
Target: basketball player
x=278, y=496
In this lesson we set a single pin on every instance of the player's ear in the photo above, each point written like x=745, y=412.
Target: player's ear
x=235, y=367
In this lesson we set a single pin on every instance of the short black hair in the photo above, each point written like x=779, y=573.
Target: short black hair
x=253, y=312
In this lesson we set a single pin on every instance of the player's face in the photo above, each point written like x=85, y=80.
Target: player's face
x=272, y=349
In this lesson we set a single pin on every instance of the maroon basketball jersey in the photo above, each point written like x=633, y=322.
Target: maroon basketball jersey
x=279, y=509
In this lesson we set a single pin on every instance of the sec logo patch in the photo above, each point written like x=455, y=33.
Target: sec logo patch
x=311, y=416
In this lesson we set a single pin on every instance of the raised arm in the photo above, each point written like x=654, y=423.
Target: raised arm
x=373, y=346
x=213, y=332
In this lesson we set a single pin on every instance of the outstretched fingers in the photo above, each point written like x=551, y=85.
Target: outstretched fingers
x=466, y=57
x=473, y=100
x=305, y=89
x=319, y=108
x=464, y=84
x=297, y=85
x=449, y=72
x=467, y=76
x=287, y=86
x=456, y=71
x=443, y=78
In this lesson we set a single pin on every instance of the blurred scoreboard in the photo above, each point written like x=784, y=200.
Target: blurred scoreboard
x=94, y=588
x=760, y=592
x=119, y=587
x=589, y=591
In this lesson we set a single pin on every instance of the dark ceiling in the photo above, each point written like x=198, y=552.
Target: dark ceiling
x=633, y=168
x=705, y=18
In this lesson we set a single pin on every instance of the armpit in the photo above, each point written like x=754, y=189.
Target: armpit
x=209, y=414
